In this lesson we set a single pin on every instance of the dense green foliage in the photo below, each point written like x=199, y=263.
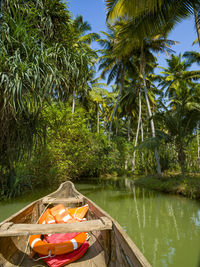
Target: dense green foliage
x=71, y=150
x=58, y=120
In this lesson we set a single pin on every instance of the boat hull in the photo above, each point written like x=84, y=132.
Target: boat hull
x=112, y=248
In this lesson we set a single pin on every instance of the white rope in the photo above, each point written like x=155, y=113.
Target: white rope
x=88, y=237
x=51, y=256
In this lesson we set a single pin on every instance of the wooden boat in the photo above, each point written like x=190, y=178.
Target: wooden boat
x=109, y=244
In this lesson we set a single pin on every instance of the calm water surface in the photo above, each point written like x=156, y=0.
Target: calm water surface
x=165, y=228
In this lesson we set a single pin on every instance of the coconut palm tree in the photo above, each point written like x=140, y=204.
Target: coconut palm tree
x=177, y=76
x=84, y=55
x=192, y=56
x=127, y=38
x=183, y=113
x=154, y=14
x=97, y=94
x=112, y=65
x=131, y=109
x=197, y=20
x=136, y=7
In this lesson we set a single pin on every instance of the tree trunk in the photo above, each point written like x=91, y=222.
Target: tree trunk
x=129, y=139
x=142, y=138
x=116, y=104
x=181, y=158
x=197, y=24
x=97, y=118
x=143, y=65
x=116, y=129
x=142, y=132
x=137, y=133
x=73, y=102
x=198, y=149
x=129, y=131
x=113, y=114
x=126, y=164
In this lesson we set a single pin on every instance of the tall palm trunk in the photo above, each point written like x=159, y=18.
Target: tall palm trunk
x=143, y=65
x=73, y=101
x=142, y=131
x=129, y=139
x=181, y=158
x=137, y=132
x=142, y=137
x=198, y=149
x=197, y=24
x=97, y=118
x=129, y=130
x=113, y=114
x=116, y=104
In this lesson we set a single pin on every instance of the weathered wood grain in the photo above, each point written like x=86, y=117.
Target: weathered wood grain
x=10, y=229
x=67, y=201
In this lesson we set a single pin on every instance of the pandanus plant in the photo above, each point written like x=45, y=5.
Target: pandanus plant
x=35, y=68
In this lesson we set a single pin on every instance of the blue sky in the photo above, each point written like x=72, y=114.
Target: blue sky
x=94, y=12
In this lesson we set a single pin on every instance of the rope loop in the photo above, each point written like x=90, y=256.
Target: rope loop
x=49, y=255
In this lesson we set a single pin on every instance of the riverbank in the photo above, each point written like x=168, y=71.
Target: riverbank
x=187, y=185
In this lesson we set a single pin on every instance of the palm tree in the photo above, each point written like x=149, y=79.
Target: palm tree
x=127, y=38
x=183, y=96
x=154, y=14
x=84, y=55
x=98, y=94
x=113, y=65
x=192, y=56
x=180, y=123
x=177, y=76
x=198, y=147
x=197, y=20
x=130, y=100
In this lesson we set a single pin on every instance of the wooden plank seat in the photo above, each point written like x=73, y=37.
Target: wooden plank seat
x=11, y=229
x=72, y=200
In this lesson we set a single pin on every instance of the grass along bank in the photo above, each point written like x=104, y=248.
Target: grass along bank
x=187, y=185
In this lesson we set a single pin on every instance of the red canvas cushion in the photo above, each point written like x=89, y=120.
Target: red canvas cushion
x=62, y=260
x=59, y=238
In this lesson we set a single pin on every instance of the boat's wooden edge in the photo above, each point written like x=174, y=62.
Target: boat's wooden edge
x=11, y=229
x=25, y=209
x=67, y=201
x=32, y=204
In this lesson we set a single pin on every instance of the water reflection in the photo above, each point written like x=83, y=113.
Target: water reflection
x=165, y=228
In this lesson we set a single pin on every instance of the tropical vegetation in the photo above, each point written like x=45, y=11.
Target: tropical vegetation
x=60, y=119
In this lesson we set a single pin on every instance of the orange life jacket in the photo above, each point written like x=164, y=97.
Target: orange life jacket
x=59, y=214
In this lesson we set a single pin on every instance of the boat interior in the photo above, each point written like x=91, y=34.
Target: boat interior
x=109, y=244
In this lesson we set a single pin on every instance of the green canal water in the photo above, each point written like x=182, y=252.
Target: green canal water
x=165, y=228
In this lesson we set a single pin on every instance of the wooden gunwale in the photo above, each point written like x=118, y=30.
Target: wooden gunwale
x=113, y=243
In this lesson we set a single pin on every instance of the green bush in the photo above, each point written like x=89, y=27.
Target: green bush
x=72, y=151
